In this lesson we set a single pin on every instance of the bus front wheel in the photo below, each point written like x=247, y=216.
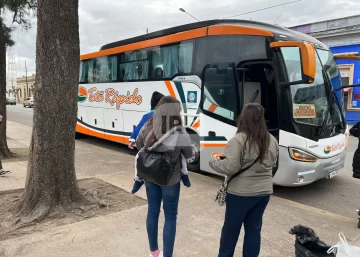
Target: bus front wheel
x=194, y=161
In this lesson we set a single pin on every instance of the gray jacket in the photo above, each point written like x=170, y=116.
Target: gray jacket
x=255, y=181
x=177, y=141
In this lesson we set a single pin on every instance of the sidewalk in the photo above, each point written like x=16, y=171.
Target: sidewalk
x=123, y=234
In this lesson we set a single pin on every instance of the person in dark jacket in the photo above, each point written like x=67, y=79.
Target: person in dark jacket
x=355, y=131
x=155, y=99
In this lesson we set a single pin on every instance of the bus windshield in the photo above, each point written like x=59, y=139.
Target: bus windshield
x=309, y=101
x=331, y=68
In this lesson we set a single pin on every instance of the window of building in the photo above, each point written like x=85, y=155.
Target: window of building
x=345, y=81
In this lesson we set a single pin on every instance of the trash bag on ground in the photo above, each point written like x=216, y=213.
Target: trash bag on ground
x=308, y=244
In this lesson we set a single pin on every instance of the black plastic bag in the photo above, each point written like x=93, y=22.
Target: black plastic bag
x=308, y=244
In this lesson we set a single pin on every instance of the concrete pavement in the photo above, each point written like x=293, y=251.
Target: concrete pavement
x=124, y=234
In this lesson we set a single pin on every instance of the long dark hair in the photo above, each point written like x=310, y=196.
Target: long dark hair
x=252, y=123
x=166, y=116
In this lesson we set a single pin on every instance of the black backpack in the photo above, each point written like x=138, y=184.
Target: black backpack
x=155, y=167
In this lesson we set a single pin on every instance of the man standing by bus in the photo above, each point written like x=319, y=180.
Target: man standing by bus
x=355, y=131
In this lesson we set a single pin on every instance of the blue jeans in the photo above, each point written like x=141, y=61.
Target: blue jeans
x=170, y=198
x=239, y=210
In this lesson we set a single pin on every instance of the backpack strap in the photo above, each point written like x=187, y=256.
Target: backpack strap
x=242, y=170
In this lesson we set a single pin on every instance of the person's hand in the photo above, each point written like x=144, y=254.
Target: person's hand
x=131, y=145
x=1, y=118
x=216, y=156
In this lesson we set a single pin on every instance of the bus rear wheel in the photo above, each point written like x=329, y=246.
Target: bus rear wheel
x=78, y=135
x=194, y=161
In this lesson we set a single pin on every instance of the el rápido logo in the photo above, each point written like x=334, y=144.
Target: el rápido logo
x=110, y=95
x=334, y=147
x=327, y=149
x=82, y=95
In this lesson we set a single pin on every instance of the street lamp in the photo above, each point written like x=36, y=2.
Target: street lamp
x=183, y=10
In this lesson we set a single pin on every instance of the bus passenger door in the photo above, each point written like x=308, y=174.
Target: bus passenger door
x=220, y=105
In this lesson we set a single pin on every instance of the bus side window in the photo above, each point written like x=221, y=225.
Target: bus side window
x=172, y=59
x=158, y=73
x=134, y=65
x=106, y=69
x=86, y=71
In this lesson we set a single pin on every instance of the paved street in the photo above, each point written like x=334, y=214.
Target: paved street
x=339, y=195
x=19, y=114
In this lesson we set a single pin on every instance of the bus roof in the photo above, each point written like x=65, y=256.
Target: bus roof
x=280, y=33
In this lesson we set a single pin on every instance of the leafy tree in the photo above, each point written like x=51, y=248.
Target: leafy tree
x=20, y=11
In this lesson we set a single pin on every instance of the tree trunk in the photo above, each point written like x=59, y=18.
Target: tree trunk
x=51, y=179
x=4, y=149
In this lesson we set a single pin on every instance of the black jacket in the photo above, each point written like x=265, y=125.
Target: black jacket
x=355, y=131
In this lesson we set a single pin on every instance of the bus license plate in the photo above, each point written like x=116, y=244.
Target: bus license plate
x=333, y=173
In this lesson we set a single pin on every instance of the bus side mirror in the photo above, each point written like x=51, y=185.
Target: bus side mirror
x=304, y=57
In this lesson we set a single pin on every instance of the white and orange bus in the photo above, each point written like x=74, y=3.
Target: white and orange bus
x=214, y=68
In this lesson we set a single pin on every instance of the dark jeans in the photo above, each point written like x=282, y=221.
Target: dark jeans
x=239, y=210
x=170, y=198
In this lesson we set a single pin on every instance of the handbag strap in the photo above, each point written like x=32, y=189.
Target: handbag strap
x=242, y=170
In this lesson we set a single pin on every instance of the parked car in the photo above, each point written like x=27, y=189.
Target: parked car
x=11, y=100
x=29, y=102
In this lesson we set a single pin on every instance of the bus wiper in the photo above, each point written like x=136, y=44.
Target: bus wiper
x=305, y=99
x=331, y=102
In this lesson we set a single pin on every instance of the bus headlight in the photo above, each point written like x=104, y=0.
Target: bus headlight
x=302, y=156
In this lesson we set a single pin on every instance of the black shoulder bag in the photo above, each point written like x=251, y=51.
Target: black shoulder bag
x=221, y=194
x=155, y=167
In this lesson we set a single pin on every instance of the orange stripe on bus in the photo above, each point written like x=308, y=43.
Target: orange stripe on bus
x=170, y=88
x=182, y=36
x=212, y=145
x=237, y=30
x=83, y=130
x=196, y=125
x=212, y=108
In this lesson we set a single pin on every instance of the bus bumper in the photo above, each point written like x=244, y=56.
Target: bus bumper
x=294, y=173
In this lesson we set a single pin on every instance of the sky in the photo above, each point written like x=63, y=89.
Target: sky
x=105, y=21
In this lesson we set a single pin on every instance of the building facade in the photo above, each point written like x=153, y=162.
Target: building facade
x=25, y=87
x=342, y=36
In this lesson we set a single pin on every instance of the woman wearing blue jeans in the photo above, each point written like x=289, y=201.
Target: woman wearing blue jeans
x=249, y=193
x=164, y=132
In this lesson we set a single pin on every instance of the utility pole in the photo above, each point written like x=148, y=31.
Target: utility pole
x=147, y=30
x=27, y=86
x=11, y=69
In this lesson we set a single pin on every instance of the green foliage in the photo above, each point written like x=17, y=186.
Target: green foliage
x=20, y=11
